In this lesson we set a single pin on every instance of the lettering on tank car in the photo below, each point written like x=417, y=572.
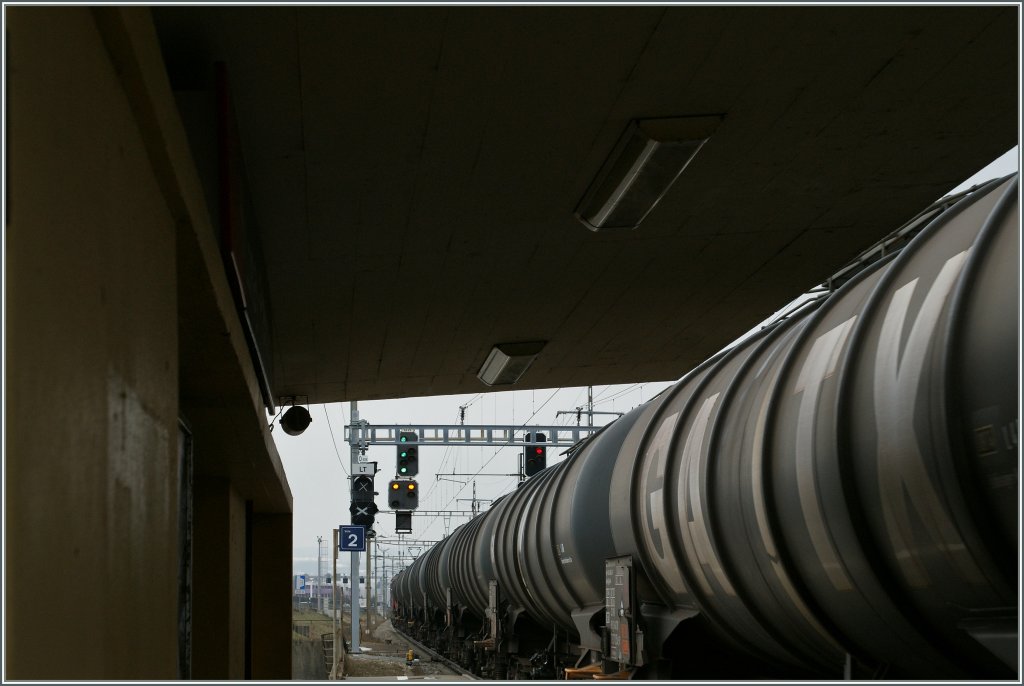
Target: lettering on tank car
x=1010, y=435
x=989, y=441
x=903, y=479
x=820, y=364
x=760, y=514
x=985, y=440
x=757, y=459
x=653, y=487
x=689, y=483
x=757, y=481
x=1006, y=477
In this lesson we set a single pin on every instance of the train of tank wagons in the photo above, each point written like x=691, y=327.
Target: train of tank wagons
x=835, y=496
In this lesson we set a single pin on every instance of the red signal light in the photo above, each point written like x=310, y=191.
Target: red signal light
x=535, y=456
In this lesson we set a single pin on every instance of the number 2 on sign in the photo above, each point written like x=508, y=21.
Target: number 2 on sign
x=353, y=541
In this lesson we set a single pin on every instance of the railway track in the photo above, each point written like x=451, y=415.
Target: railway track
x=436, y=657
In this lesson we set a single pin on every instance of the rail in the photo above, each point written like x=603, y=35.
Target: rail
x=437, y=657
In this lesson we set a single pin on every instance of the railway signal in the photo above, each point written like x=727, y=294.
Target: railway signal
x=408, y=454
x=535, y=456
x=362, y=488
x=362, y=508
x=403, y=494
x=363, y=513
x=403, y=522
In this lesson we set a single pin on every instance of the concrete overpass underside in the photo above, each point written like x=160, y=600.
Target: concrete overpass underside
x=413, y=172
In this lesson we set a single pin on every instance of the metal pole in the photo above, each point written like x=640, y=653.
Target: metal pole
x=319, y=573
x=354, y=459
x=335, y=612
x=354, y=579
x=334, y=586
x=369, y=591
x=590, y=405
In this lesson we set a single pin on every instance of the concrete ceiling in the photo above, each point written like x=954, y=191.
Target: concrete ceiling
x=413, y=172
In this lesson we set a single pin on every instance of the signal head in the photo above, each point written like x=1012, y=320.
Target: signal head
x=403, y=494
x=536, y=455
x=408, y=460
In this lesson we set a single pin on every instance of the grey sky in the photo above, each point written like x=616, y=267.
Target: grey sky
x=317, y=462
x=317, y=471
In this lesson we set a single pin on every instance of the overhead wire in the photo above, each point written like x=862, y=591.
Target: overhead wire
x=444, y=460
x=491, y=458
x=337, y=452
x=575, y=405
x=513, y=484
x=619, y=393
x=448, y=453
x=477, y=397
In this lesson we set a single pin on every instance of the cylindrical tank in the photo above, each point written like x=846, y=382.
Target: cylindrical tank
x=841, y=485
x=438, y=572
x=398, y=598
x=809, y=492
x=465, y=578
x=410, y=588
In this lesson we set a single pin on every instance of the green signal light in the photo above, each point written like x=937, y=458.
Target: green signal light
x=403, y=470
x=402, y=439
x=404, y=454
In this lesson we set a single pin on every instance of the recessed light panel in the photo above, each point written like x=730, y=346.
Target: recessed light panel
x=648, y=158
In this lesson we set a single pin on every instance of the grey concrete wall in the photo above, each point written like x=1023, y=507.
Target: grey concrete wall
x=92, y=387
x=271, y=595
x=118, y=318
x=218, y=599
x=308, y=661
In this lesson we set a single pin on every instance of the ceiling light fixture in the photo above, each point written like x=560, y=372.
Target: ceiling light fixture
x=507, y=362
x=645, y=162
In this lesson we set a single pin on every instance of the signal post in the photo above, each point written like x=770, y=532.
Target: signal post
x=354, y=465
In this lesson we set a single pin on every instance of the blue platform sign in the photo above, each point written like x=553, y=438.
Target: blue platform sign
x=352, y=539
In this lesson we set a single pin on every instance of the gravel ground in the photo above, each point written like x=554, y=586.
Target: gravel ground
x=386, y=657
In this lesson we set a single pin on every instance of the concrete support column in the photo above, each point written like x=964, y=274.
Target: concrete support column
x=271, y=611
x=91, y=401
x=218, y=581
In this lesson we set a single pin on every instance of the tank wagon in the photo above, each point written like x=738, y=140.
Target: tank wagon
x=834, y=496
